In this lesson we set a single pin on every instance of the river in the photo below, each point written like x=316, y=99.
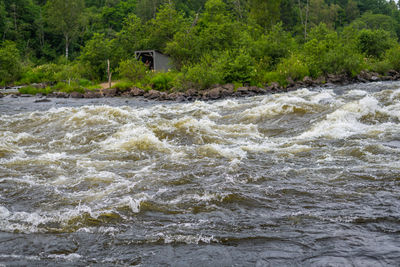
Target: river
x=305, y=178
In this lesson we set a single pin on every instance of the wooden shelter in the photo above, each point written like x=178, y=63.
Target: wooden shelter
x=155, y=60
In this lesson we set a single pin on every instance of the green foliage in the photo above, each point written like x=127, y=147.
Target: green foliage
x=133, y=70
x=377, y=21
x=68, y=87
x=236, y=66
x=10, y=63
x=292, y=68
x=273, y=46
x=274, y=76
x=163, y=81
x=210, y=42
x=392, y=56
x=95, y=55
x=204, y=74
x=65, y=18
x=327, y=53
x=30, y=90
x=50, y=73
x=162, y=29
x=123, y=85
x=374, y=43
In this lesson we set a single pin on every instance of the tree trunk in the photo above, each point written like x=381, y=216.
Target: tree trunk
x=66, y=47
x=306, y=21
x=109, y=73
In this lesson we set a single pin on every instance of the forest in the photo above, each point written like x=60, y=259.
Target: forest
x=73, y=45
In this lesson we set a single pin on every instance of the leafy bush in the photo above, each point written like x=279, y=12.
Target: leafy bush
x=123, y=85
x=10, y=63
x=203, y=74
x=293, y=68
x=392, y=56
x=30, y=90
x=374, y=43
x=274, y=76
x=133, y=70
x=236, y=66
x=68, y=88
x=163, y=81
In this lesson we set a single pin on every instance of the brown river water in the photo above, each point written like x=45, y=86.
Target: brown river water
x=305, y=178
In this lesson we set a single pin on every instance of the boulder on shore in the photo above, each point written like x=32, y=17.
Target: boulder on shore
x=111, y=92
x=76, y=95
x=92, y=94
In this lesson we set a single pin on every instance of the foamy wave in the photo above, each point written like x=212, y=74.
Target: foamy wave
x=134, y=137
x=344, y=121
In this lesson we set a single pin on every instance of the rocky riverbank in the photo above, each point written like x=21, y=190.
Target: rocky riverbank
x=223, y=91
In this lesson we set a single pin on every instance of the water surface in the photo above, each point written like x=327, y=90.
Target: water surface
x=306, y=178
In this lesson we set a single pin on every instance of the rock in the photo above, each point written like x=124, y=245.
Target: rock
x=257, y=90
x=386, y=78
x=1, y=95
x=308, y=81
x=25, y=95
x=136, y=91
x=213, y=94
x=76, y=95
x=274, y=86
x=152, y=94
x=163, y=96
x=333, y=78
x=229, y=87
x=43, y=100
x=192, y=93
x=110, y=92
x=290, y=81
x=364, y=76
x=242, y=91
x=320, y=80
x=39, y=85
x=176, y=96
x=374, y=78
x=393, y=73
x=61, y=95
x=92, y=94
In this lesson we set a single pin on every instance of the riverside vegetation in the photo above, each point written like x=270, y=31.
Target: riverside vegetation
x=61, y=48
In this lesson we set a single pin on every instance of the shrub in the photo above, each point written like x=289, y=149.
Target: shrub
x=374, y=43
x=10, y=63
x=275, y=76
x=392, y=56
x=237, y=66
x=123, y=85
x=68, y=88
x=204, y=74
x=134, y=70
x=33, y=90
x=163, y=81
x=293, y=67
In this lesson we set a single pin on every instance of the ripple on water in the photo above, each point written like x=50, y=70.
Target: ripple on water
x=304, y=178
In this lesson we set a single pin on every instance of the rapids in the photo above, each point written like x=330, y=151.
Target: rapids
x=310, y=177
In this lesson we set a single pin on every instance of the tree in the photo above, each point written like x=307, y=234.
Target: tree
x=265, y=12
x=132, y=35
x=10, y=63
x=147, y=9
x=320, y=12
x=96, y=54
x=2, y=18
x=162, y=29
x=65, y=17
x=374, y=43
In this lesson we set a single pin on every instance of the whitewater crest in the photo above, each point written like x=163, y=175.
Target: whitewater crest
x=196, y=173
